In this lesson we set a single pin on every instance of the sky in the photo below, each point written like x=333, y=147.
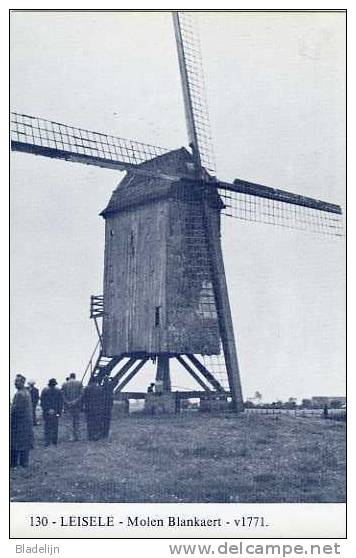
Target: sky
x=276, y=93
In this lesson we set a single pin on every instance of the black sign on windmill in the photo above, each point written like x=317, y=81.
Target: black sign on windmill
x=165, y=292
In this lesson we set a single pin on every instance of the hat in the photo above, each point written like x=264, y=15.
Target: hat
x=52, y=382
x=31, y=382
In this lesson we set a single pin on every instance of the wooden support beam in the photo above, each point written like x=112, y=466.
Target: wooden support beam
x=193, y=373
x=163, y=373
x=275, y=194
x=126, y=367
x=205, y=372
x=212, y=227
x=180, y=394
x=131, y=375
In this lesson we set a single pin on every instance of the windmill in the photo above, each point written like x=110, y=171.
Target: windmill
x=165, y=294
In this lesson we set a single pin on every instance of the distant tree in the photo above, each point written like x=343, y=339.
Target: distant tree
x=306, y=403
x=290, y=404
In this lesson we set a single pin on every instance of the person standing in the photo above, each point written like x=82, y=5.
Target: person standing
x=151, y=387
x=21, y=425
x=107, y=405
x=72, y=391
x=93, y=408
x=52, y=407
x=35, y=397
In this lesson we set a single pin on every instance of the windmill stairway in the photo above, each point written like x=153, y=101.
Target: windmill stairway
x=99, y=365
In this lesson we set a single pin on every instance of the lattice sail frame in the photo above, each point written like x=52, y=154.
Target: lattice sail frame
x=52, y=139
x=256, y=209
x=191, y=58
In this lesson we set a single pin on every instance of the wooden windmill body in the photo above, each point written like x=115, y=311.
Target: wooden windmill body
x=165, y=294
x=158, y=293
x=159, y=277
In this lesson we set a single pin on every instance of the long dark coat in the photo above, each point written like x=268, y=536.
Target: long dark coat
x=108, y=398
x=93, y=407
x=93, y=400
x=51, y=399
x=21, y=435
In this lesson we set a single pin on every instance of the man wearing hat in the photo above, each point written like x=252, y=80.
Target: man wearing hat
x=52, y=407
x=35, y=397
x=21, y=427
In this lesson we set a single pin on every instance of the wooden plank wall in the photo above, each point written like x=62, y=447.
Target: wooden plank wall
x=156, y=269
x=135, y=280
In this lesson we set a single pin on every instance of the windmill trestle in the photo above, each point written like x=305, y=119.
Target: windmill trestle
x=121, y=369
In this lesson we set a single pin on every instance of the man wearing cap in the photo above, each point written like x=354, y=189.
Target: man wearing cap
x=35, y=397
x=21, y=427
x=52, y=407
x=72, y=391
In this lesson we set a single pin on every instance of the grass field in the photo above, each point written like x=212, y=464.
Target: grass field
x=192, y=457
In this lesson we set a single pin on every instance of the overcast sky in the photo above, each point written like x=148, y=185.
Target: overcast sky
x=276, y=94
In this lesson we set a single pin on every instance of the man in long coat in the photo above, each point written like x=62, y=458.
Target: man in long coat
x=93, y=408
x=35, y=397
x=21, y=425
x=72, y=391
x=52, y=407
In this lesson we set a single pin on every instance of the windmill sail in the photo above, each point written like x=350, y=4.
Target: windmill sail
x=193, y=84
x=38, y=136
x=254, y=203
x=262, y=204
x=243, y=200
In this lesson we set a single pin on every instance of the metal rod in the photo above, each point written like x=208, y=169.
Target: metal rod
x=90, y=360
x=98, y=331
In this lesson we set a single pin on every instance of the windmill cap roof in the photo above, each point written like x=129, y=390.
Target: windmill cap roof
x=138, y=189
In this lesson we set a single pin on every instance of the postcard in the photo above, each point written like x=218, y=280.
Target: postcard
x=177, y=276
